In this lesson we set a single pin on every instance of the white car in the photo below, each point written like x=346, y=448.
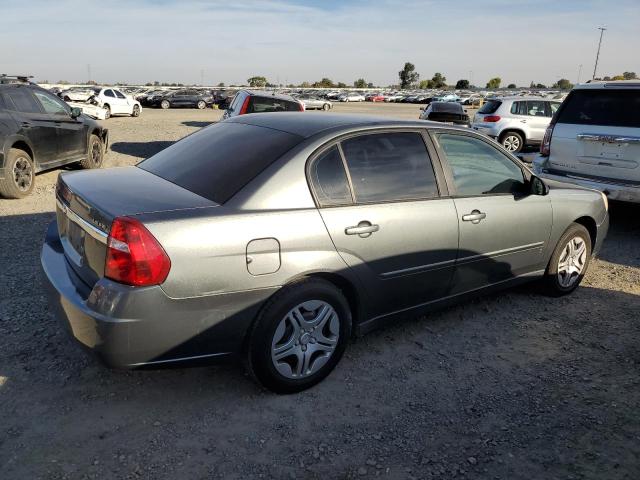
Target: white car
x=76, y=94
x=593, y=140
x=116, y=103
x=351, y=97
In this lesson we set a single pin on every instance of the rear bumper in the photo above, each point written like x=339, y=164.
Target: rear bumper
x=491, y=131
x=134, y=327
x=613, y=190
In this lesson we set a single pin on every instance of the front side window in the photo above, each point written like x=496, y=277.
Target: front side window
x=554, y=107
x=118, y=94
x=389, y=166
x=50, y=104
x=536, y=108
x=330, y=180
x=478, y=168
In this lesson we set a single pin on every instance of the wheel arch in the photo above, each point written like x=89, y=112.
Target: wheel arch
x=517, y=130
x=24, y=145
x=591, y=226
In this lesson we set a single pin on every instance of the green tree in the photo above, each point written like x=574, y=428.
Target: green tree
x=324, y=83
x=342, y=85
x=629, y=75
x=439, y=80
x=257, y=81
x=408, y=75
x=512, y=85
x=360, y=83
x=462, y=84
x=618, y=77
x=563, y=84
x=305, y=84
x=221, y=84
x=425, y=84
x=494, y=82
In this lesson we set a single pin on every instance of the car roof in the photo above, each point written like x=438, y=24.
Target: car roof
x=520, y=97
x=307, y=125
x=270, y=94
x=608, y=84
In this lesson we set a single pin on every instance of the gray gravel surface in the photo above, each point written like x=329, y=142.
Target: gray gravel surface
x=512, y=386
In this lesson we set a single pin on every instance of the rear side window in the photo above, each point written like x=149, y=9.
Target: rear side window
x=612, y=108
x=219, y=160
x=109, y=93
x=21, y=100
x=519, y=108
x=490, y=106
x=389, y=166
x=268, y=104
x=330, y=180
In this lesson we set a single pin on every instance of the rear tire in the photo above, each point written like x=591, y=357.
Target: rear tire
x=19, y=175
x=201, y=105
x=136, y=111
x=512, y=141
x=95, y=154
x=569, y=261
x=164, y=104
x=107, y=114
x=299, y=336
x=326, y=107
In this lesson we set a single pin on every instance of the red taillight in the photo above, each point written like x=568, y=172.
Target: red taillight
x=491, y=118
x=245, y=106
x=545, y=146
x=301, y=106
x=134, y=256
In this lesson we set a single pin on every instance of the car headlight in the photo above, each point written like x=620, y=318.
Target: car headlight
x=605, y=200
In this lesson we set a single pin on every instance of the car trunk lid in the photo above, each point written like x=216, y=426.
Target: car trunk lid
x=87, y=203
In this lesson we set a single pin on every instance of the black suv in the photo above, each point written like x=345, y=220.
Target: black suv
x=250, y=101
x=38, y=131
x=190, y=98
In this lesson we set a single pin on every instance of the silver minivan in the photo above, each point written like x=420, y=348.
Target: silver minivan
x=515, y=122
x=594, y=140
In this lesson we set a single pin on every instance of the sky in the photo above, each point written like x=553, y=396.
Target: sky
x=291, y=41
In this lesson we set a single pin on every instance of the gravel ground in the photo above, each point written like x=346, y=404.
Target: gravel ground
x=512, y=386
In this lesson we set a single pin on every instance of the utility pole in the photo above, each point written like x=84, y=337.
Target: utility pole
x=88, y=72
x=602, y=29
x=579, y=73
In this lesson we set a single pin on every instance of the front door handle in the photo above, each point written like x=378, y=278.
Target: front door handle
x=364, y=229
x=474, y=217
x=523, y=121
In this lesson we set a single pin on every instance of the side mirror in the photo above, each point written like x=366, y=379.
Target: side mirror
x=75, y=112
x=422, y=108
x=537, y=186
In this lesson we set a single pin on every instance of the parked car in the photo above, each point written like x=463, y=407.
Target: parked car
x=189, y=98
x=515, y=121
x=351, y=97
x=447, y=112
x=377, y=97
x=152, y=96
x=321, y=226
x=315, y=103
x=115, y=102
x=250, y=101
x=76, y=94
x=594, y=140
x=38, y=132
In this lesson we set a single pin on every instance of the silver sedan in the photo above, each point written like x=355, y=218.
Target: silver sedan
x=276, y=237
x=315, y=103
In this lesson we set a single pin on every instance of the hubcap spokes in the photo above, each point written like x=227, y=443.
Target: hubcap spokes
x=305, y=339
x=95, y=153
x=22, y=174
x=511, y=143
x=572, y=261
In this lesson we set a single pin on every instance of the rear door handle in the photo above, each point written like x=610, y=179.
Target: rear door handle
x=26, y=125
x=474, y=217
x=364, y=229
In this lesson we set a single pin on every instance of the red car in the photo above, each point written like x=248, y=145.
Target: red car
x=377, y=98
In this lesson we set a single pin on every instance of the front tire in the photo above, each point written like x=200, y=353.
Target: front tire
x=95, y=154
x=299, y=336
x=569, y=261
x=136, y=111
x=326, y=107
x=201, y=105
x=107, y=113
x=512, y=141
x=19, y=175
x=164, y=104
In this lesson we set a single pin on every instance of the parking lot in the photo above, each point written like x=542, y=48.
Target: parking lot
x=516, y=385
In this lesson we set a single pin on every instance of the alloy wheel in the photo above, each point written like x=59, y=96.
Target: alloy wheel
x=511, y=143
x=23, y=174
x=305, y=339
x=572, y=261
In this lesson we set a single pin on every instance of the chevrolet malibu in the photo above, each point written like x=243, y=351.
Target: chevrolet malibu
x=276, y=237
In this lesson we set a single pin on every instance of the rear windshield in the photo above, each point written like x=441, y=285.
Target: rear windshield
x=612, y=108
x=490, y=106
x=270, y=104
x=449, y=107
x=219, y=160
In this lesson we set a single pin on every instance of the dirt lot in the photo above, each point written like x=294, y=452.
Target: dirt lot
x=514, y=386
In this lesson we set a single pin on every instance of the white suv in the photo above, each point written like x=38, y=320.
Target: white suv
x=594, y=140
x=515, y=121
